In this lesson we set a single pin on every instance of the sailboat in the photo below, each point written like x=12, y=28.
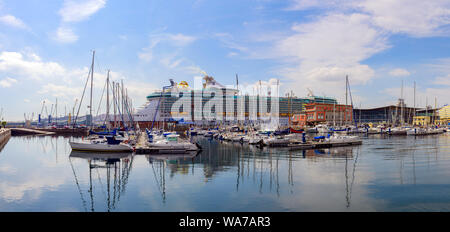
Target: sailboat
x=100, y=143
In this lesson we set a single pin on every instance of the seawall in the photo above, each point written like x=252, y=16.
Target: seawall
x=5, y=134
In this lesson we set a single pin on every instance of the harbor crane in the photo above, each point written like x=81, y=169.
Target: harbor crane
x=42, y=111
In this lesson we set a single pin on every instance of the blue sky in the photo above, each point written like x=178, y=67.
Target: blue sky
x=45, y=47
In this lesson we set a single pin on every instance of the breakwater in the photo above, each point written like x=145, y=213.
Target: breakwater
x=5, y=134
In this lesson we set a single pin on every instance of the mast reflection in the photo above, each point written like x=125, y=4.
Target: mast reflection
x=175, y=162
x=264, y=170
x=117, y=166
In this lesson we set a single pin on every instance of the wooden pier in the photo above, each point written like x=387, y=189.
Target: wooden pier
x=334, y=144
x=316, y=145
x=49, y=131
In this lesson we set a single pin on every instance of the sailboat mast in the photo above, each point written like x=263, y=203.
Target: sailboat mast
x=346, y=97
x=56, y=106
x=123, y=102
x=346, y=89
x=107, y=101
x=92, y=86
x=426, y=108
x=114, y=101
x=334, y=114
x=435, y=107
x=401, y=106
x=414, y=98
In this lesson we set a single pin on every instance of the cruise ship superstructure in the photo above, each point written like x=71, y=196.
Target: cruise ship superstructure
x=191, y=104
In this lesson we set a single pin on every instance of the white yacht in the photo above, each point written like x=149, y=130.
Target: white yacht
x=110, y=144
x=172, y=143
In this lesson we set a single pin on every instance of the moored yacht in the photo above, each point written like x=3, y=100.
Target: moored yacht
x=110, y=144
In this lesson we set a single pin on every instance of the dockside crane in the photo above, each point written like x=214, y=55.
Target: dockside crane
x=42, y=111
x=73, y=111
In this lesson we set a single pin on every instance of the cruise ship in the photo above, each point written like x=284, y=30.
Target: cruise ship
x=159, y=108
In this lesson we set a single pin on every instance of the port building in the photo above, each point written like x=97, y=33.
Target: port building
x=444, y=115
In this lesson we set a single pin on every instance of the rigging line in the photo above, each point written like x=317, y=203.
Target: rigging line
x=109, y=106
x=353, y=173
x=108, y=184
x=82, y=96
x=115, y=186
x=101, y=98
x=346, y=182
x=124, y=177
x=120, y=113
x=100, y=181
x=130, y=116
x=156, y=179
x=127, y=174
x=351, y=99
x=78, y=185
x=128, y=171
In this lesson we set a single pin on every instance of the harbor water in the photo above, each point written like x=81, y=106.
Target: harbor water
x=386, y=173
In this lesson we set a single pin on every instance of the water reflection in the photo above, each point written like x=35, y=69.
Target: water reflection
x=3, y=143
x=384, y=174
x=262, y=166
x=177, y=163
x=118, y=167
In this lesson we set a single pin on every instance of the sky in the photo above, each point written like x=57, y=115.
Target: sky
x=46, y=48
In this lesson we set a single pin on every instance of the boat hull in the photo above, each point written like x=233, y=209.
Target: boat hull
x=100, y=147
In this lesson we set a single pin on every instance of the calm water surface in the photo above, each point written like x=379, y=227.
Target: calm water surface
x=384, y=174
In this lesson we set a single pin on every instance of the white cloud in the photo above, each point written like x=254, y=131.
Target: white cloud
x=442, y=80
x=424, y=95
x=230, y=42
x=146, y=54
x=12, y=21
x=231, y=54
x=29, y=66
x=7, y=82
x=60, y=90
x=319, y=54
x=73, y=12
x=180, y=39
x=399, y=72
x=76, y=11
x=174, y=40
x=440, y=65
x=171, y=61
x=65, y=35
x=328, y=40
x=26, y=100
x=412, y=17
x=309, y=4
x=194, y=70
